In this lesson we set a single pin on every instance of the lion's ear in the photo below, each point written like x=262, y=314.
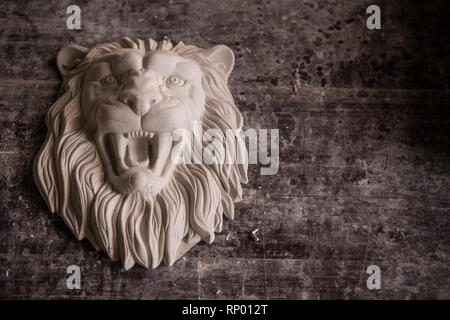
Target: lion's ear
x=69, y=56
x=222, y=57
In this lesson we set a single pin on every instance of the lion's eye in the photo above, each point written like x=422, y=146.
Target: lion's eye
x=176, y=81
x=109, y=80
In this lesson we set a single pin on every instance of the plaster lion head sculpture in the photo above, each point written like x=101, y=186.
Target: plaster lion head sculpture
x=106, y=166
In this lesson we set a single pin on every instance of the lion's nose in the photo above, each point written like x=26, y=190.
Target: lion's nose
x=139, y=103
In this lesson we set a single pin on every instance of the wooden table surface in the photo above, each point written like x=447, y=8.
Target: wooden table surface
x=364, y=174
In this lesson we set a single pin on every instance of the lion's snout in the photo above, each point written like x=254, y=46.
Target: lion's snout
x=140, y=102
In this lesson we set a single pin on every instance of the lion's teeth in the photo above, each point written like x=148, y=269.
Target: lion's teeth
x=139, y=133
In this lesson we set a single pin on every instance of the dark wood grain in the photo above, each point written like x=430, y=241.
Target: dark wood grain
x=364, y=172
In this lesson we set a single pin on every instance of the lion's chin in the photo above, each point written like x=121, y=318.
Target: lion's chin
x=137, y=161
x=140, y=180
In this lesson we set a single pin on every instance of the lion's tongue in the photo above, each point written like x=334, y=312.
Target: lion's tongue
x=137, y=152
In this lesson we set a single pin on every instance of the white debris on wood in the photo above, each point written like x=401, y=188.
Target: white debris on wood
x=254, y=236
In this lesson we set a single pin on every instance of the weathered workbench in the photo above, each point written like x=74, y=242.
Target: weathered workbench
x=364, y=136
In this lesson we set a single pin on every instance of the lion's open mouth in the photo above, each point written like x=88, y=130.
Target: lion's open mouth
x=134, y=149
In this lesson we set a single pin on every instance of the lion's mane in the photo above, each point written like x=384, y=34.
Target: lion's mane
x=129, y=227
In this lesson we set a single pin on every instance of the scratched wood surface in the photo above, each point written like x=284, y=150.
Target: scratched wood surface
x=364, y=137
